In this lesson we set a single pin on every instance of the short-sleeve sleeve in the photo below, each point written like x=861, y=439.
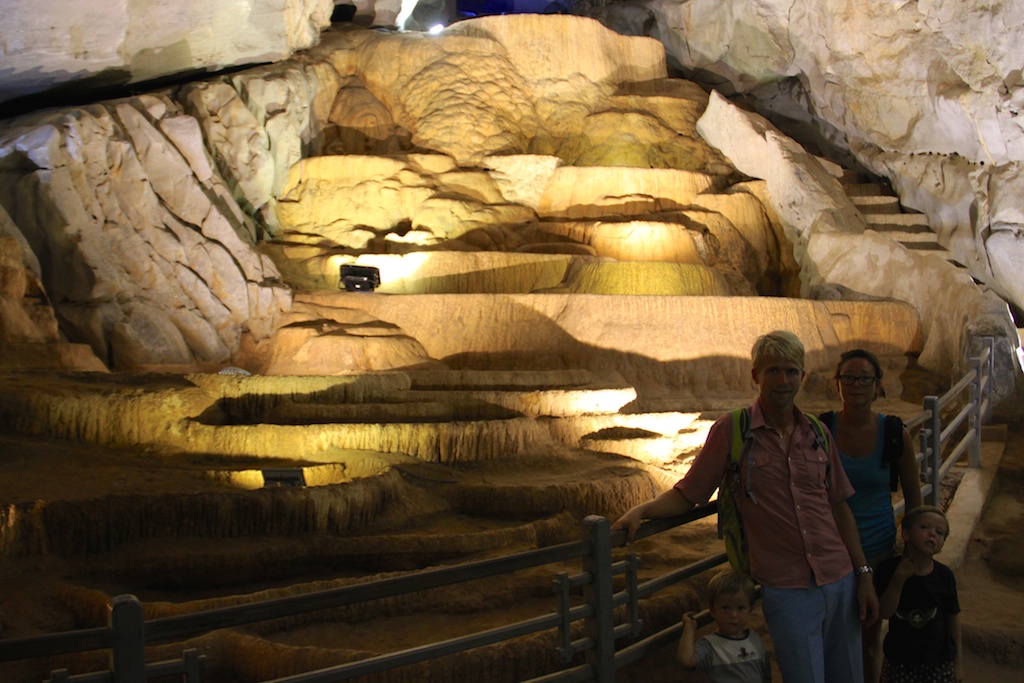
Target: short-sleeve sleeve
x=704, y=654
x=708, y=467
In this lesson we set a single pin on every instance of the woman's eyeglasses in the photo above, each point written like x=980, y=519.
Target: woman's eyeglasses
x=863, y=380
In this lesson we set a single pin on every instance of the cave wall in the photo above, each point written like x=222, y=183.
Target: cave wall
x=162, y=198
x=49, y=49
x=925, y=94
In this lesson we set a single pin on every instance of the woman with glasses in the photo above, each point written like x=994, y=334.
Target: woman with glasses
x=877, y=453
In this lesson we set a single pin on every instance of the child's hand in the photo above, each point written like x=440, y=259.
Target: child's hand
x=908, y=567
x=685, y=654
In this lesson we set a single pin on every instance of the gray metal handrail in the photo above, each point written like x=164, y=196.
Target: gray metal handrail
x=127, y=633
x=935, y=435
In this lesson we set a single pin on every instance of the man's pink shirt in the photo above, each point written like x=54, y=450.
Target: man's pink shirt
x=791, y=531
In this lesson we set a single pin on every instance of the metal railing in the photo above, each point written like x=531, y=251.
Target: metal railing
x=934, y=436
x=595, y=651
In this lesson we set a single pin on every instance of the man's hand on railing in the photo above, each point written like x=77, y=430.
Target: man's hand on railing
x=630, y=521
x=670, y=503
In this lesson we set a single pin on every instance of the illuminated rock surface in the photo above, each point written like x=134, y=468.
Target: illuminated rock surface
x=477, y=166
x=927, y=95
x=576, y=253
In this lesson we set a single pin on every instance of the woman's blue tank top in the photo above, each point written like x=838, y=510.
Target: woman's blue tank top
x=871, y=502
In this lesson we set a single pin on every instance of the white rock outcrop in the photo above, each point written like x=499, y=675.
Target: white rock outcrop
x=553, y=145
x=142, y=251
x=834, y=248
x=98, y=43
x=30, y=338
x=927, y=94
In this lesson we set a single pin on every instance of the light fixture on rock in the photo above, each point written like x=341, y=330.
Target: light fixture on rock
x=359, y=278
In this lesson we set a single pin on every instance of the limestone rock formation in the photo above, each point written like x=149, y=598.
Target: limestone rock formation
x=834, y=247
x=576, y=253
x=469, y=162
x=29, y=334
x=142, y=251
x=927, y=95
x=571, y=136
x=660, y=343
x=332, y=340
x=45, y=47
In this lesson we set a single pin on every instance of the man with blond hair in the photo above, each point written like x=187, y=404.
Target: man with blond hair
x=804, y=547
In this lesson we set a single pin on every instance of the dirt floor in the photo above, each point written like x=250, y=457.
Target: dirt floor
x=991, y=580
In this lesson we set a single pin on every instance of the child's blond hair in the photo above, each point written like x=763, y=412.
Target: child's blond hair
x=730, y=582
x=911, y=516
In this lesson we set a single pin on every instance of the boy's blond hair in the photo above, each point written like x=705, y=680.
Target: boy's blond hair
x=778, y=344
x=730, y=583
x=910, y=517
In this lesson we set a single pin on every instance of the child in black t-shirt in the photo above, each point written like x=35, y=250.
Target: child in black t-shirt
x=917, y=594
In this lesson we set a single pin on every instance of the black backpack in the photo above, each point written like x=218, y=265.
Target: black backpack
x=892, y=448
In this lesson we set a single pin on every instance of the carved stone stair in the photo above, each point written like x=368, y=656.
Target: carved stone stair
x=885, y=215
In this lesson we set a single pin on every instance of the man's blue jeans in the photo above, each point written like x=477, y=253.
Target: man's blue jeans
x=816, y=632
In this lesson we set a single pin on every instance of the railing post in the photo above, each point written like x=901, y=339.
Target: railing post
x=128, y=652
x=990, y=375
x=193, y=665
x=598, y=594
x=931, y=404
x=974, y=419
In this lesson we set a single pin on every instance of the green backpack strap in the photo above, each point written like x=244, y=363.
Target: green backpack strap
x=821, y=434
x=730, y=524
x=740, y=433
x=823, y=437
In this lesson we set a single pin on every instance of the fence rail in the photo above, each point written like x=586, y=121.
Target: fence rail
x=127, y=633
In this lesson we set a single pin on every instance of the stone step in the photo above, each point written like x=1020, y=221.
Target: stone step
x=876, y=204
x=864, y=189
x=911, y=229
x=497, y=380
x=848, y=176
x=925, y=246
x=548, y=402
x=910, y=233
x=900, y=220
x=883, y=214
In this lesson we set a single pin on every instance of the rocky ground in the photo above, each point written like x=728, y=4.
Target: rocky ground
x=49, y=591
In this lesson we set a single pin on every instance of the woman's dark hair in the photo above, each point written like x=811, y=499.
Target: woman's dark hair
x=860, y=353
x=870, y=358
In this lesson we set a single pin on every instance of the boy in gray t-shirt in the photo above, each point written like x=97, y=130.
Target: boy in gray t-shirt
x=734, y=653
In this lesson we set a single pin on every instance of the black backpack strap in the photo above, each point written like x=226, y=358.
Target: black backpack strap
x=828, y=418
x=893, y=449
